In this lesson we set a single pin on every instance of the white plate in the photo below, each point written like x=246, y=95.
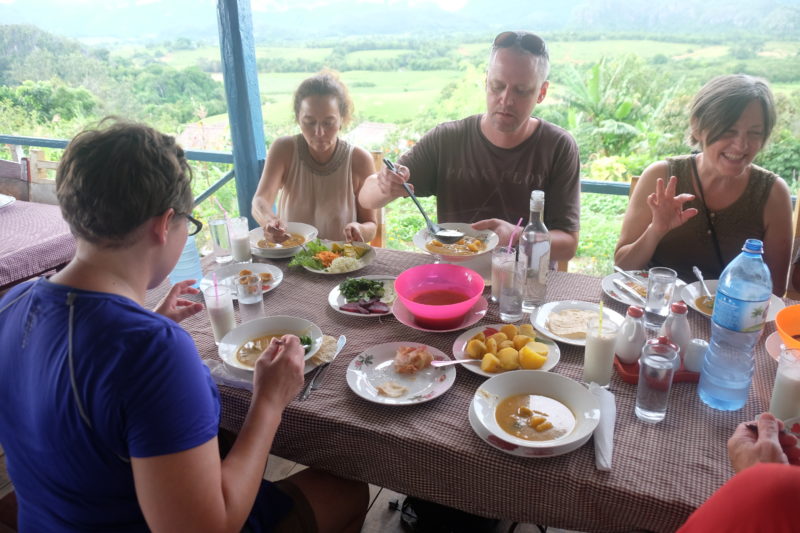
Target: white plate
x=622, y=297
x=580, y=401
x=336, y=300
x=461, y=343
x=491, y=240
x=226, y=276
x=6, y=200
x=365, y=259
x=693, y=291
x=540, y=322
x=405, y=317
x=306, y=230
x=260, y=327
x=375, y=366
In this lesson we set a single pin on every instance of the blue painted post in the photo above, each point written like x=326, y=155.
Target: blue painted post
x=241, y=91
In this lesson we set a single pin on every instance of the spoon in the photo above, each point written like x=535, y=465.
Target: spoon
x=446, y=236
x=708, y=299
x=437, y=363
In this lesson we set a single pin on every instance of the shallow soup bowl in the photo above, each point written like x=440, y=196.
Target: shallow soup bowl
x=307, y=231
x=576, y=397
x=439, y=295
x=260, y=327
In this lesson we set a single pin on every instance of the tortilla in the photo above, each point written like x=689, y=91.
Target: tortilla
x=326, y=351
x=570, y=323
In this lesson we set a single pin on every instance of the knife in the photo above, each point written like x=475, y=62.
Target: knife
x=316, y=380
x=630, y=276
x=629, y=291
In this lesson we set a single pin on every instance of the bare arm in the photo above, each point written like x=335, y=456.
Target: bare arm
x=778, y=235
x=381, y=188
x=193, y=490
x=652, y=212
x=366, y=224
x=278, y=160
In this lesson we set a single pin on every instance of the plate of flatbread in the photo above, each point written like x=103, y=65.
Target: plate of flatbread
x=565, y=321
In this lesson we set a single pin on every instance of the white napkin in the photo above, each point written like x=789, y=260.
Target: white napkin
x=604, y=434
x=221, y=376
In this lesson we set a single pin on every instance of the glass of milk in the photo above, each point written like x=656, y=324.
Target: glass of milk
x=239, y=234
x=785, y=402
x=598, y=360
x=219, y=305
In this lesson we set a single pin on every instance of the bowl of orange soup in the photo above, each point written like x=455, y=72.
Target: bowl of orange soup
x=534, y=414
x=439, y=295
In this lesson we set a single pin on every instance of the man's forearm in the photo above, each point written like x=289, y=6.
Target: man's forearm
x=563, y=245
x=372, y=196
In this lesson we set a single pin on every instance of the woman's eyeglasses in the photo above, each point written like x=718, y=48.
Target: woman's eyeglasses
x=194, y=225
x=527, y=41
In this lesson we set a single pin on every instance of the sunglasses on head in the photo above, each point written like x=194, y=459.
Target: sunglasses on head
x=527, y=41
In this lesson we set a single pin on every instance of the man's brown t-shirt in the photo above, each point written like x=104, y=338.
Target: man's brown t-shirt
x=474, y=180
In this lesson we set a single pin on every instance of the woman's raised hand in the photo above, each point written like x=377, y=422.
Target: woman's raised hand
x=667, y=208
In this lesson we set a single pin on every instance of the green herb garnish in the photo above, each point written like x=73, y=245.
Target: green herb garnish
x=355, y=289
x=306, y=257
x=305, y=341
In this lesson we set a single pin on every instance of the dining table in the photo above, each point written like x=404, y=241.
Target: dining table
x=34, y=239
x=659, y=475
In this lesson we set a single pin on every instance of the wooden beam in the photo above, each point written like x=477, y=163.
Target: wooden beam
x=239, y=71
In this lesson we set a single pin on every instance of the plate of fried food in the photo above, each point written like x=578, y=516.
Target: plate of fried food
x=399, y=373
x=474, y=244
x=565, y=321
x=334, y=257
x=505, y=347
x=270, y=275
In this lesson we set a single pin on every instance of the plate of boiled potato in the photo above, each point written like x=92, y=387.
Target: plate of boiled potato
x=505, y=347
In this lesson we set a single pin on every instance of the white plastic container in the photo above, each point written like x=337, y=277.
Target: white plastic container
x=676, y=328
x=632, y=336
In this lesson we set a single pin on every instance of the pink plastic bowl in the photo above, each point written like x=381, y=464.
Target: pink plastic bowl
x=442, y=276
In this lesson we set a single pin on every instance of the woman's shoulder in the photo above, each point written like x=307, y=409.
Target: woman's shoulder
x=283, y=146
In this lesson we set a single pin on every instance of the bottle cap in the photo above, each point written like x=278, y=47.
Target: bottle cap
x=679, y=307
x=635, y=311
x=753, y=246
x=537, y=199
x=663, y=342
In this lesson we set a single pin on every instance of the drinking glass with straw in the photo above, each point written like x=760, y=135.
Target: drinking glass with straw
x=501, y=257
x=219, y=304
x=598, y=360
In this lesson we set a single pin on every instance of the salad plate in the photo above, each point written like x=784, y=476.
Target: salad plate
x=336, y=299
x=309, y=259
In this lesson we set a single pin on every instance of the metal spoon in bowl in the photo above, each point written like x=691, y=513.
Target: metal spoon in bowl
x=708, y=298
x=446, y=236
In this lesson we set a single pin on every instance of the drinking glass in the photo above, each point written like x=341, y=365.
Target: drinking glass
x=219, y=305
x=785, y=402
x=511, y=289
x=656, y=368
x=660, y=286
x=250, y=293
x=502, y=266
x=598, y=359
x=220, y=239
x=239, y=233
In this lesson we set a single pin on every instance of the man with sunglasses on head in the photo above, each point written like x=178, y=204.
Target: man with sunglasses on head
x=483, y=168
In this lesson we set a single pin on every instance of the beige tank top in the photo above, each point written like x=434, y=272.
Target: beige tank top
x=319, y=194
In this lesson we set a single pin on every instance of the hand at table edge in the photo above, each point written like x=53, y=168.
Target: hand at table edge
x=770, y=445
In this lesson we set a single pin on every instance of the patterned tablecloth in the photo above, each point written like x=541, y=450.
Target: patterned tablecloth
x=33, y=239
x=660, y=473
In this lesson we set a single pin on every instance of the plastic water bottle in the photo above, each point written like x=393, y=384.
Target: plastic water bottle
x=740, y=311
x=535, y=244
x=188, y=266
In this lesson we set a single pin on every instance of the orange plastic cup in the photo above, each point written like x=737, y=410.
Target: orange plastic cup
x=788, y=323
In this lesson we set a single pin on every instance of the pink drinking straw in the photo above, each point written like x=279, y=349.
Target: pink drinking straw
x=514, y=234
x=216, y=290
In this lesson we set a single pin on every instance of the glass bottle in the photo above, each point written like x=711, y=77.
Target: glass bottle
x=535, y=244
